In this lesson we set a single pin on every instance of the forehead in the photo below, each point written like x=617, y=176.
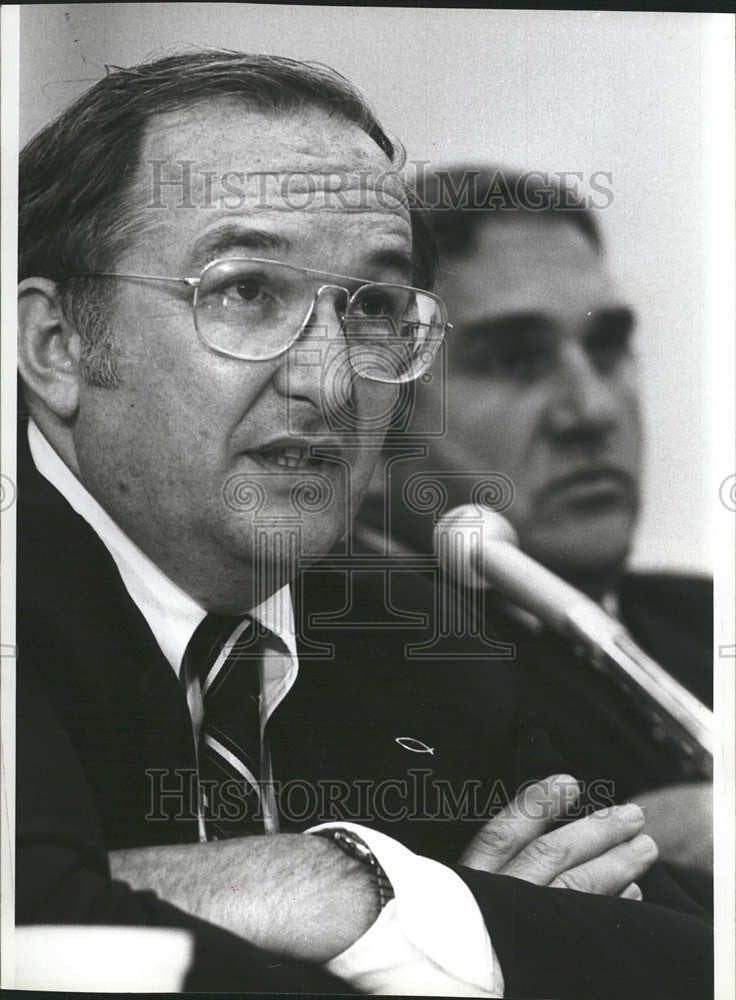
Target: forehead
x=527, y=262
x=304, y=173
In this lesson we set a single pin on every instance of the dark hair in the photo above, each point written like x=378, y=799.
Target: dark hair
x=459, y=199
x=76, y=212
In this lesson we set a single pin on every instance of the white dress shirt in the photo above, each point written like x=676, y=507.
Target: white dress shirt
x=433, y=928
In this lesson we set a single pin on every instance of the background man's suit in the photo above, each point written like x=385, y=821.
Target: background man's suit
x=585, y=713
x=98, y=706
x=587, y=718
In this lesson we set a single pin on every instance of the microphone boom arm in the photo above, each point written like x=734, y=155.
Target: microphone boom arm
x=669, y=706
x=475, y=546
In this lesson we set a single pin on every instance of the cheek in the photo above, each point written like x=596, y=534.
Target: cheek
x=160, y=421
x=485, y=419
x=630, y=416
x=375, y=405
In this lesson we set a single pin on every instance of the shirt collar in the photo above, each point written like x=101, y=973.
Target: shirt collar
x=171, y=613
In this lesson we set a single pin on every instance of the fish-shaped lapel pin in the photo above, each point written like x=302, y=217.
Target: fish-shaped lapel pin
x=416, y=746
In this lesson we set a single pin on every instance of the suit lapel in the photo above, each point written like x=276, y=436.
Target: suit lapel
x=103, y=671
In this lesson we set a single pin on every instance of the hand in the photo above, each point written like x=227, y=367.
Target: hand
x=604, y=853
x=680, y=819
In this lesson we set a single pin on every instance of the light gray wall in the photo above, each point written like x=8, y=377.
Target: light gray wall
x=579, y=91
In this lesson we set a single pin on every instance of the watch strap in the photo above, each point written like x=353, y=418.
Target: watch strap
x=355, y=847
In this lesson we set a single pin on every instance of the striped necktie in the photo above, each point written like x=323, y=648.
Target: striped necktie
x=225, y=653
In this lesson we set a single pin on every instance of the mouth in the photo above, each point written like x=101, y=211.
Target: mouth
x=603, y=484
x=290, y=457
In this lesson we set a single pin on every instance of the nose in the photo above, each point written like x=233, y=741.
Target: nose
x=585, y=401
x=317, y=368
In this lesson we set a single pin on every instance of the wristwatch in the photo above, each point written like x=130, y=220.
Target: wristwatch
x=355, y=847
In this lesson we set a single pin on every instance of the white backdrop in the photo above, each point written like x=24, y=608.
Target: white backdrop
x=575, y=91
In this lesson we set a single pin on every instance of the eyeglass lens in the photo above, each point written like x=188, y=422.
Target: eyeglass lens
x=254, y=309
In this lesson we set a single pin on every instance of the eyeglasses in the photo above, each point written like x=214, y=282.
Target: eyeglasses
x=255, y=309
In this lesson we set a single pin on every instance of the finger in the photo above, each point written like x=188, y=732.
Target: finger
x=632, y=892
x=523, y=819
x=612, y=873
x=572, y=845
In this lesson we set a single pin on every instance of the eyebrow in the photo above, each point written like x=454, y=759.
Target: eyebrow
x=398, y=260
x=226, y=239
x=234, y=237
x=622, y=317
x=508, y=324
x=518, y=323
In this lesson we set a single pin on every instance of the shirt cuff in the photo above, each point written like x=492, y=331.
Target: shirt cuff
x=433, y=917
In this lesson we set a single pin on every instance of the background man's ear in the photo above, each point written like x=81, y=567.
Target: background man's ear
x=48, y=347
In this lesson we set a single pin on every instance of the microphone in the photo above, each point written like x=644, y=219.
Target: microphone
x=477, y=547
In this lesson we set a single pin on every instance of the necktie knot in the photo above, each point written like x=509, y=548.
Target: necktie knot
x=208, y=639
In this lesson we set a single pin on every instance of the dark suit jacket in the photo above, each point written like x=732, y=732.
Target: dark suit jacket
x=101, y=719
x=585, y=714
x=588, y=717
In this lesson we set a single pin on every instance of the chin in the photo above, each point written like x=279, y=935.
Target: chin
x=289, y=543
x=318, y=536
x=593, y=549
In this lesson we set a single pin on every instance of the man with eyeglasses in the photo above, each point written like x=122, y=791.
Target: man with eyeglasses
x=208, y=380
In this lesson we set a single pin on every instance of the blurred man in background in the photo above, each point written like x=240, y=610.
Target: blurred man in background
x=540, y=401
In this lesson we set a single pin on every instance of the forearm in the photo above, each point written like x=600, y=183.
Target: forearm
x=293, y=894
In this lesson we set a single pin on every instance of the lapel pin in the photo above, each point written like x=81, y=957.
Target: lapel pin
x=416, y=746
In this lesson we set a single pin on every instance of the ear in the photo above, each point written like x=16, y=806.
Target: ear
x=48, y=347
